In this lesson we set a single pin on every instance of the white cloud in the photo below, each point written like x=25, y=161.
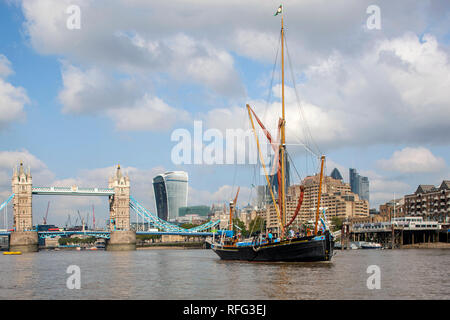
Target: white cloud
x=122, y=39
x=5, y=67
x=357, y=80
x=12, y=99
x=131, y=108
x=413, y=160
x=137, y=38
x=11, y=159
x=148, y=113
x=396, y=91
x=92, y=91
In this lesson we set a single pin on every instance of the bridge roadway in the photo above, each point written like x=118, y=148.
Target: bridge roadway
x=74, y=190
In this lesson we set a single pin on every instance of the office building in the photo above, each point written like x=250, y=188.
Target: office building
x=335, y=174
x=171, y=192
x=359, y=185
x=202, y=211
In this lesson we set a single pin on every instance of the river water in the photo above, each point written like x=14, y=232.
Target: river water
x=200, y=274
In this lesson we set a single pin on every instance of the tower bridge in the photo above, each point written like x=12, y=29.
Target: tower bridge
x=24, y=238
x=74, y=190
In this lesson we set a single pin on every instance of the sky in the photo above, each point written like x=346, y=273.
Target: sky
x=86, y=85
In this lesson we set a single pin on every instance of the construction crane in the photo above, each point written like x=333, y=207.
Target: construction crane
x=68, y=222
x=232, y=207
x=93, y=218
x=81, y=220
x=45, y=218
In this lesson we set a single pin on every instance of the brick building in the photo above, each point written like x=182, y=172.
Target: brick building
x=337, y=198
x=429, y=202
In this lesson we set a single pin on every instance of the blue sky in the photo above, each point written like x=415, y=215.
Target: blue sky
x=75, y=103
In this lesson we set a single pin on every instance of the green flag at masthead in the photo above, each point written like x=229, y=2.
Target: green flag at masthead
x=279, y=10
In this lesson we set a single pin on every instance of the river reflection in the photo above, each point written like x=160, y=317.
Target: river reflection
x=200, y=274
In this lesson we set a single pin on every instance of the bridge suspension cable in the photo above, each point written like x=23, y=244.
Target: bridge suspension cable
x=4, y=206
x=164, y=225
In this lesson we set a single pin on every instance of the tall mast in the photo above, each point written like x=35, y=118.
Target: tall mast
x=319, y=195
x=283, y=136
x=232, y=208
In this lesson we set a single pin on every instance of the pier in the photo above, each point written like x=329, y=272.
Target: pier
x=399, y=233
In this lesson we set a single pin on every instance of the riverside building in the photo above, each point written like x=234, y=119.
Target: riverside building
x=337, y=199
x=430, y=202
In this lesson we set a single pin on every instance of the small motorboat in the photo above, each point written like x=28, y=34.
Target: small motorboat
x=370, y=245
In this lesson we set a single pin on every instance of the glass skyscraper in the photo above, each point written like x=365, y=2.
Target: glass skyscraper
x=335, y=174
x=171, y=192
x=364, y=188
x=359, y=184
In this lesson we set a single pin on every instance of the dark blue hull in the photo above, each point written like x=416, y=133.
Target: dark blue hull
x=318, y=248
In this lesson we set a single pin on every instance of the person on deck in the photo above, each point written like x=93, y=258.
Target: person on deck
x=291, y=234
x=270, y=236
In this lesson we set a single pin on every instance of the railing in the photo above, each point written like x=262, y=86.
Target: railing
x=52, y=234
x=387, y=226
x=72, y=190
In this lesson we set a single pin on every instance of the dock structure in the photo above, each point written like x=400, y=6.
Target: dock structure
x=398, y=232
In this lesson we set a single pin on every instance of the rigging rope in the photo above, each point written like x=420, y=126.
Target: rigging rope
x=264, y=166
x=299, y=204
x=306, y=128
x=273, y=75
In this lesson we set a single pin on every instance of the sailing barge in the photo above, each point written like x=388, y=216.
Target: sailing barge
x=315, y=247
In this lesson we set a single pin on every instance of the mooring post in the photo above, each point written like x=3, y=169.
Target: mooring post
x=401, y=240
x=393, y=237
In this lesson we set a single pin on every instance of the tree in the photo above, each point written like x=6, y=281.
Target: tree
x=337, y=223
x=143, y=237
x=240, y=227
x=257, y=224
x=189, y=225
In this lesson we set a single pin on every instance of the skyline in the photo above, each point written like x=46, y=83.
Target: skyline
x=75, y=103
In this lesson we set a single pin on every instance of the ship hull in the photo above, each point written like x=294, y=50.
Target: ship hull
x=298, y=250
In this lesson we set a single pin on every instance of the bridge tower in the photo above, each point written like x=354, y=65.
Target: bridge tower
x=23, y=238
x=21, y=187
x=119, y=203
x=121, y=237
